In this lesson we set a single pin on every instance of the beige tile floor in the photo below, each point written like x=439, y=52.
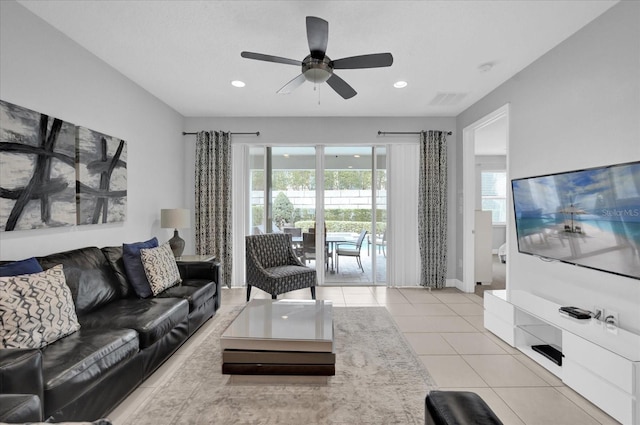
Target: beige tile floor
x=445, y=328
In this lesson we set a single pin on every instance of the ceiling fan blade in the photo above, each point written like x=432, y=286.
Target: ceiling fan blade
x=292, y=85
x=376, y=60
x=269, y=58
x=341, y=87
x=318, y=36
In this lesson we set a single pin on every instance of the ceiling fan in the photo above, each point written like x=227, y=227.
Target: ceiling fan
x=317, y=67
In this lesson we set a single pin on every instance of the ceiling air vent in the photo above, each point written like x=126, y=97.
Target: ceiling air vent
x=447, y=99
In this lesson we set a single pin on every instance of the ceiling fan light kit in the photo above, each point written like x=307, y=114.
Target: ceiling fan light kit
x=317, y=70
x=317, y=67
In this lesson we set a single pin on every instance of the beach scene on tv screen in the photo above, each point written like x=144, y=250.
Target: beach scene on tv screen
x=587, y=217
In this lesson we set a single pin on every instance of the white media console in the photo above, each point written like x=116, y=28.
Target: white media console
x=600, y=362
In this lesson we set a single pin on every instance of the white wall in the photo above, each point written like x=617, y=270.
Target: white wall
x=335, y=131
x=43, y=70
x=576, y=107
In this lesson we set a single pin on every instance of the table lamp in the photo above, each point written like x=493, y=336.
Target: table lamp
x=176, y=218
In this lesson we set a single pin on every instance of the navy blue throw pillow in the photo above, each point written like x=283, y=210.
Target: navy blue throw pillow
x=133, y=266
x=28, y=266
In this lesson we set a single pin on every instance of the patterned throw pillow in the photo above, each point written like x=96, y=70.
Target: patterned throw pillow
x=160, y=267
x=36, y=309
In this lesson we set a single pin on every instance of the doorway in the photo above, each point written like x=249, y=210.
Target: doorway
x=288, y=183
x=489, y=132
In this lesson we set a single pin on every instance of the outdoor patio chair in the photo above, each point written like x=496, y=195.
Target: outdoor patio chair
x=352, y=250
x=272, y=266
x=293, y=231
x=309, y=249
x=381, y=243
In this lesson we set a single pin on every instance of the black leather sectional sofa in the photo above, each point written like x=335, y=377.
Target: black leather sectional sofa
x=122, y=340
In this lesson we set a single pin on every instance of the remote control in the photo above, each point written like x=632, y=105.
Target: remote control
x=575, y=312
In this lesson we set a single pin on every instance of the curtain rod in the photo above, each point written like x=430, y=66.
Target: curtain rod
x=255, y=133
x=384, y=133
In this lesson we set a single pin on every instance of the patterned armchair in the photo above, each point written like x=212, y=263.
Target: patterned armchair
x=272, y=266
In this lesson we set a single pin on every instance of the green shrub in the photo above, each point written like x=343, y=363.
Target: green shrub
x=343, y=226
x=257, y=214
x=283, y=209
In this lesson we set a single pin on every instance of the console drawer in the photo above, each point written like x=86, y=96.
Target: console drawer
x=499, y=317
x=599, y=391
x=498, y=307
x=599, y=361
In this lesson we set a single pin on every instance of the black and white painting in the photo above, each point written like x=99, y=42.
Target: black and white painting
x=102, y=177
x=37, y=170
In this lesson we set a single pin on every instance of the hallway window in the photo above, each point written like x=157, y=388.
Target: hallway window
x=494, y=195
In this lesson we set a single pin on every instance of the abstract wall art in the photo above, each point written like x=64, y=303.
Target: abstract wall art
x=101, y=165
x=54, y=173
x=37, y=170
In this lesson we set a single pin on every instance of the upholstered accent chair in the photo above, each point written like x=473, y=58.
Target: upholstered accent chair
x=272, y=266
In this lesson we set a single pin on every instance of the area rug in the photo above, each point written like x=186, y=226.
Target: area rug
x=379, y=380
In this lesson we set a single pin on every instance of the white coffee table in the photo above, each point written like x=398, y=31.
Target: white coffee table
x=286, y=337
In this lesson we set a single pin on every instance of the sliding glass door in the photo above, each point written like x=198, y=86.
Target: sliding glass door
x=355, y=214
x=282, y=189
x=349, y=246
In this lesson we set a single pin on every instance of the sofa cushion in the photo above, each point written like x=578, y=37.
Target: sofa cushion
x=160, y=267
x=21, y=372
x=28, y=266
x=81, y=360
x=36, y=309
x=20, y=408
x=114, y=255
x=195, y=291
x=134, y=268
x=152, y=318
x=89, y=276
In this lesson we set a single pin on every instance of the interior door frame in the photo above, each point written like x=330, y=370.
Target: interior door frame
x=469, y=191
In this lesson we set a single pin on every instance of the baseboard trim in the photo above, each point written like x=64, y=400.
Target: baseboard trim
x=455, y=283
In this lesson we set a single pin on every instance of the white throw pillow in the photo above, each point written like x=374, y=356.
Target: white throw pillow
x=36, y=309
x=160, y=267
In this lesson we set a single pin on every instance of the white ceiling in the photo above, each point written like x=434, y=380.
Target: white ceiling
x=186, y=53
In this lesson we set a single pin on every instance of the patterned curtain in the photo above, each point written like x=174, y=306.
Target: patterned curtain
x=213, y=198
x=432, y=209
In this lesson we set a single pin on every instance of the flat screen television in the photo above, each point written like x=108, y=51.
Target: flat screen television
x=589, y=218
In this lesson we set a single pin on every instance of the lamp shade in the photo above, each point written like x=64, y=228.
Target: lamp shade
x=176, y=218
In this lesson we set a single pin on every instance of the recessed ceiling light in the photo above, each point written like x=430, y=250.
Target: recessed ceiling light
x=400, y=84
x=286, y=155
x=356, y=156
x=238, y=83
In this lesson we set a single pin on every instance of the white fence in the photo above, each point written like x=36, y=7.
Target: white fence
x=333, y=199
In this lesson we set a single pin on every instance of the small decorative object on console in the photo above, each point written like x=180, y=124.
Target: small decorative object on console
x=575, y=312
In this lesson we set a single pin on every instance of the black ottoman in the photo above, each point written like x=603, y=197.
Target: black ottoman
x=458, y=408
